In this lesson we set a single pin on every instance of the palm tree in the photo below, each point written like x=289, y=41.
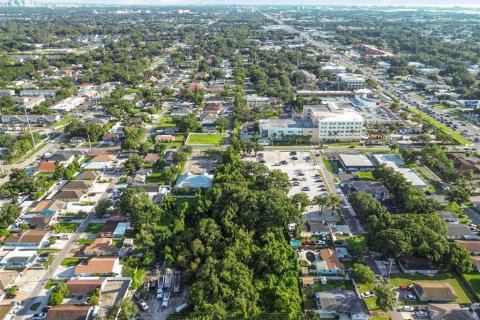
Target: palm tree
x=321, y=201
x=334, y=202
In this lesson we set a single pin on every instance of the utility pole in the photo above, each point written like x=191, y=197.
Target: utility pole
x=89, y=142
x=30, y=128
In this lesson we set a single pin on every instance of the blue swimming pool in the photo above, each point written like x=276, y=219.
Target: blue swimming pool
x=295, y=243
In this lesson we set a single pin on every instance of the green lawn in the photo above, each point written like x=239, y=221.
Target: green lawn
x=70, y=262
x=367, y=175
x=84, y=241
x=94, y=227
x=327, y=164
x=156, y=178
x=455, y=135
x=463, y=295
x=53, y=282
x=207, y=139
x=117, y=243
x=62, y=122
x=166, y=122
x=473, y=280
x=65, y=227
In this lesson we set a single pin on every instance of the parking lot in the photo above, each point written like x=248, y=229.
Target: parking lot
x=304, y=175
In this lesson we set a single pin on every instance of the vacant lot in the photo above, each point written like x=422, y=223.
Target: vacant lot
x=206, y=139
x=473, y=280
x=70, y=262
x=166, y=122
x=65, y=227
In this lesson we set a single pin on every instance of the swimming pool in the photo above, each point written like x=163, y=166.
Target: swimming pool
x=295, y=243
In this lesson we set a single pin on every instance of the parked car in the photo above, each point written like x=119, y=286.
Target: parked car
x=367, y=294
x=410, y=297
x=39, y=316
x=309, y=242
x=306, y=189
x=406, y=308
x=143, y=305
x=421, y=314
x=319, y=242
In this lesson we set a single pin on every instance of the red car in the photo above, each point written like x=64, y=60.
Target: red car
x=404, y=288
x=309, y=243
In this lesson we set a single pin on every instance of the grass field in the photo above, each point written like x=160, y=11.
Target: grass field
x=327, y=164
x=84, y=242
x=70, y=262
x=462, y=293
x=53, y=282
x=207, y=139
x=65, y=227
x=62, y=122
x=367, y=175
x=166, y=122
x=473, y=280
x=454, y=134
x=94, y=227
x=156, y=178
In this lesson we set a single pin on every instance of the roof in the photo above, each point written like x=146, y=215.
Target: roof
x=151, y=157
x=40, y=221
x=81, y=285
x=331, y=258
x=308, y=281
x=68, y=194
x=371, y=187
x=341, y=301
x=434, y=290
x=149, y=188
x=6, y=278
x=418, y=264
x=29, y=236
x=472, y=246
x=318, y=227
x=87, y=175
x=61, y=156
x=356, y=160
x=109, y=227
x=83, y=185
x=459, y=230
x=103, y=158
x=48, y=205
x=96, y=265
x=194, y=181
x=46, y=166
x=69, y=312
x=448, y=311
x=101, y=246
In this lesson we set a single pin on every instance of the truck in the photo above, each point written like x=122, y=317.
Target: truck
x=181, y=307
x=176, y=281
x=166, y=298
x=160, y=288
x=167, y=279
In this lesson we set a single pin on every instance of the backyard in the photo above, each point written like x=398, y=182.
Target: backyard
x=65, y=227
x=473, y=280
x=70, y=262
x=206, y=139
x=308, y=294
x=166, y=122
x=94, y=227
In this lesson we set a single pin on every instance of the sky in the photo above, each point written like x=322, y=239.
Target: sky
x=442, y=3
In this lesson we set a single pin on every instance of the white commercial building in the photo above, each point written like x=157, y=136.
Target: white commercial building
x=320, y=123
x=333, y=68
x=351, y=81
x=68, y=104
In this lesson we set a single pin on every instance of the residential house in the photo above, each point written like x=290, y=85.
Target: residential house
x=318, y=228
x=434, y=292
x=69, y=195
x=18, y=259
x=208, y=119
x=418, y=266
x=77, y=139
x=341, y=304
x=194, y=181
x=458, y=231
x=63, y=157
x=47, y=207
x=448, y=311
x=472, y=246
x=111, y=137
x=195, y=86
x=36, y=92
x=85, y=286
x=151, y=158
x=179, y=111
x=33, y=119
x=164, y=138
x=30, y=103
x=99, y=162
x=27, y=239
x=69, y=312
x=308, y=282
x=88, y=175
x=7, y=93
x=201, y=75
x=329, y=264
x=151, y=189
x=7, y=278
x=121, y=229
x=99, y=267
x=74, y=190
x=40, y=222
x=109, y=228
x=46, y=167
x=101, y=247
x=212, y=107
x=376, y=189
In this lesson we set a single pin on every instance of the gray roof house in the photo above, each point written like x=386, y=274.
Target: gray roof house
x=376, y=189
x=342, y=304
x=458, y=231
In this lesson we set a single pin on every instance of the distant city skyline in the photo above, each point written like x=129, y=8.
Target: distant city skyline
x=416, y=3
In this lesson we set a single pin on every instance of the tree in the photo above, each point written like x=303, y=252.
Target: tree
x=365, y=205
x=458, y=258
x=59, y=292
x=58, y=174
x=133, y=138
x=133, y=163
x=301, y=200
x=362, y=273
x=222, y=124
x=357, y=245
x=334, y=202
x=459, y=192
x=94, y=298
x=321, y=201
x=386, y=299
x=103, y=207
x=187, y=124
x=8, y=214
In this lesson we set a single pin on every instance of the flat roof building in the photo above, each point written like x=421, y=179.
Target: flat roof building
x=356, y=162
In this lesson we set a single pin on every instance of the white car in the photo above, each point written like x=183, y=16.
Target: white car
x=143, y=305
x=367, y=294
x=410, y=297
x=39, y=316
x=407, y=308
x=421, y=314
